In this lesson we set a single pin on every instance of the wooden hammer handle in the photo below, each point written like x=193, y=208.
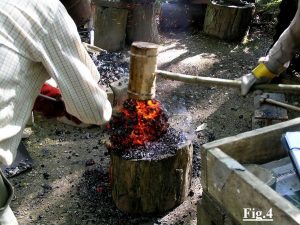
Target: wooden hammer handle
x=212, y=81
x=278, y=103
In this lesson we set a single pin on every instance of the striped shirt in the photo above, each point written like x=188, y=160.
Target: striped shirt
x=38, y=41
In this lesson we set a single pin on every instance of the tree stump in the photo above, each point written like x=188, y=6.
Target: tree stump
x=141, y=25
x=228, y=22
x=148, y=186
x=110, y=27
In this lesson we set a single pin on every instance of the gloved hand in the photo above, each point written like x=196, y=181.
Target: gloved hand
x=49, y=108
x=260, y=74
x=55, y=109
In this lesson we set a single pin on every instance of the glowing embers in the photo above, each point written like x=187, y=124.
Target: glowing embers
x=138, y=122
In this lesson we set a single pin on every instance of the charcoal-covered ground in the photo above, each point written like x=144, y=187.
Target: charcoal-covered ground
x=69, y=183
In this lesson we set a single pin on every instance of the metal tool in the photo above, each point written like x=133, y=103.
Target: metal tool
x=22, y=162
x=48, y=97
x=265, y=98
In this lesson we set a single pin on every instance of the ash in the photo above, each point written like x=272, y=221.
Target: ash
x=166, y=145
x=94, y=192
x=112, y=66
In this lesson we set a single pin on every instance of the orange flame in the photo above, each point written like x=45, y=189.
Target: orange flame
x=140, y=122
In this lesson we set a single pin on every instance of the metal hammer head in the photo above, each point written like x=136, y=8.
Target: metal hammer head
x=263, y=98
x=143, y=63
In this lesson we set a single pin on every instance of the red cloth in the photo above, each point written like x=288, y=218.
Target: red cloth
x=50, y=108
x=50, y=91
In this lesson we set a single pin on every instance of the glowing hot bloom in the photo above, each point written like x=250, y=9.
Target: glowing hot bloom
x=138, y=122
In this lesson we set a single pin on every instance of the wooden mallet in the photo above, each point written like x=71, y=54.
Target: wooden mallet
x=143, y=72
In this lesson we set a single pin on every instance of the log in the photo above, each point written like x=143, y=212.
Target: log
x=141, y=25
x=228, y=22
x=145, y=186
x=143, y=63
x=110, y=27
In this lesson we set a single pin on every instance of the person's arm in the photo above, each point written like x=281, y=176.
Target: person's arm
x=69, y=64
x=285, y=47
x=277, y=59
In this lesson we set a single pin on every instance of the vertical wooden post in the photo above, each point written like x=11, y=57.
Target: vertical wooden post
x=143, y=64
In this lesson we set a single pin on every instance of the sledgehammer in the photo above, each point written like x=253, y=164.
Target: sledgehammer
x=143, y=73
x=267, y=99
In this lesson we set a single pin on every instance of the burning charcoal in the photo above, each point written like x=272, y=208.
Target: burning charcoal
x=58, y=132
x=191, y=193
x=167, y=144
x=46, y=187
x=45, y=152
x=111, y=66
x=87, y=136
x=139, y=122
x=90, y=162
x=46, y=175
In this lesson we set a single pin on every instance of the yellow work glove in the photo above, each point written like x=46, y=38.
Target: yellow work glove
x=260, y=74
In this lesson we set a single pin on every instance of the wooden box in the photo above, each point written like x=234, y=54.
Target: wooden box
x=229, y=189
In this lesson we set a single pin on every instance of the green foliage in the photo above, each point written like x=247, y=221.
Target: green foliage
x=261, y=5
x=268, y=5
x=159, y=1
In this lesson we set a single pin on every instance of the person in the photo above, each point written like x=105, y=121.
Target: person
x=277, y=59
x=39, y=40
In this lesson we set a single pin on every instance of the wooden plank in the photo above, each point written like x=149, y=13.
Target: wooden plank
x=259, y=123
x=235, y=188
x=210, y=212
x=202, y=215
x=204, y=170
x=257, y=146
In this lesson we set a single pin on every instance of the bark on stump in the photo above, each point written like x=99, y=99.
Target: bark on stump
x=141, y=25
x=143, y=63
x=110, y=27
x=145, y=186
x=228, y=22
